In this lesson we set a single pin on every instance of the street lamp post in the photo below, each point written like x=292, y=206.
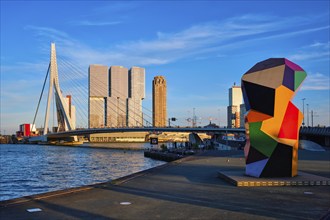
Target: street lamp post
x=303, y=111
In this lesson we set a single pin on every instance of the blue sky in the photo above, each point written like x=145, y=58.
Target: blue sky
x=201, y=48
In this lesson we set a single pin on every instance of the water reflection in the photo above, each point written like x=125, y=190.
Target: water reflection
x=32, y=169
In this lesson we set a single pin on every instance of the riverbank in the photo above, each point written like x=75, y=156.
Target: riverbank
x=32, y=169
x=185, y=189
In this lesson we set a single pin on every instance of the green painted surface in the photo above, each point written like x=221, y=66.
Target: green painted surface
x=299, y=76
x=261, y=141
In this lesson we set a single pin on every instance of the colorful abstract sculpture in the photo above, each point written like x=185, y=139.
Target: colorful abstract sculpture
x=272, y=122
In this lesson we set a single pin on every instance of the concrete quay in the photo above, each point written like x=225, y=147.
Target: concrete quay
x=185, y=189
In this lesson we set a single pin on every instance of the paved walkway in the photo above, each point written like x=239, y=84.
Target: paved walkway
x=187, y=189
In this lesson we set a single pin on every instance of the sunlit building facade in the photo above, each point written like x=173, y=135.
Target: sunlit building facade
x=136, y=93
x=98, y=78
x=159, y=107
x=117, y=103
x=233, y=110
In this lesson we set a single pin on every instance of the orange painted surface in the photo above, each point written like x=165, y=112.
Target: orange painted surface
x=254, y=116
x=273, y=125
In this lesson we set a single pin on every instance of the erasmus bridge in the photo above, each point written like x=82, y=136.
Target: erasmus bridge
x=66, y=130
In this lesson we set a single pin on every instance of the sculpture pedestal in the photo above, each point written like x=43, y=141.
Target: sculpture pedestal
x=238, y=178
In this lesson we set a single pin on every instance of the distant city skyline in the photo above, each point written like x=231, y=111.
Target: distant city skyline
x=201, y=56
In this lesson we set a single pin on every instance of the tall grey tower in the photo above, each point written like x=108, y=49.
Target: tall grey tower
x=98, y=91
x=136, y=93
x=118, y=95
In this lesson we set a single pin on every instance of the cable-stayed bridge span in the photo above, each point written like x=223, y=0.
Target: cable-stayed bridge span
x=66, y=119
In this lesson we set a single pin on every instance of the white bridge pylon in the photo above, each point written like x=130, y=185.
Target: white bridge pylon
x=63, y=118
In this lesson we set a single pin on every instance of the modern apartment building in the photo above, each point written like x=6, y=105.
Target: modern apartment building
x=136, y=93
x=118, y=93
x=159, y=108
x=115, y=96
x=98, y=79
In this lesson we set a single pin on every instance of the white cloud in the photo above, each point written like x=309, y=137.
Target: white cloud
x=316, y=81
x=46, y=31
x=25, y=67
x=194, y=41
x=320, y=45
x=315, y=51
x=309, y=55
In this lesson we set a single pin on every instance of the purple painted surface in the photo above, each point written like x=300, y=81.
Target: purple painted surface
x=293, y=65
x=255, y=169
x=288, y=78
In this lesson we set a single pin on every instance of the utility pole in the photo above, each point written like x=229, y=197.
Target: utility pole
x=303, y=111
x=307, y=115
x=194, y=119
x=312, y=117
x=219, y=117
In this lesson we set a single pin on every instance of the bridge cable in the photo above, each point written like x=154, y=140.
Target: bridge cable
x=111, y=101
x=79, y=71
x=76, y=70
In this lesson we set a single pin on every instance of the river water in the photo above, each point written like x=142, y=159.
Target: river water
x=33, y=169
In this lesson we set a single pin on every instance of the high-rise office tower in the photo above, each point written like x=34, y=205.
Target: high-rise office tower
x=118, y=95
x=235, y=95
x=233, y=110
x=159, y=111
x=136, y=93
x=98, y=78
